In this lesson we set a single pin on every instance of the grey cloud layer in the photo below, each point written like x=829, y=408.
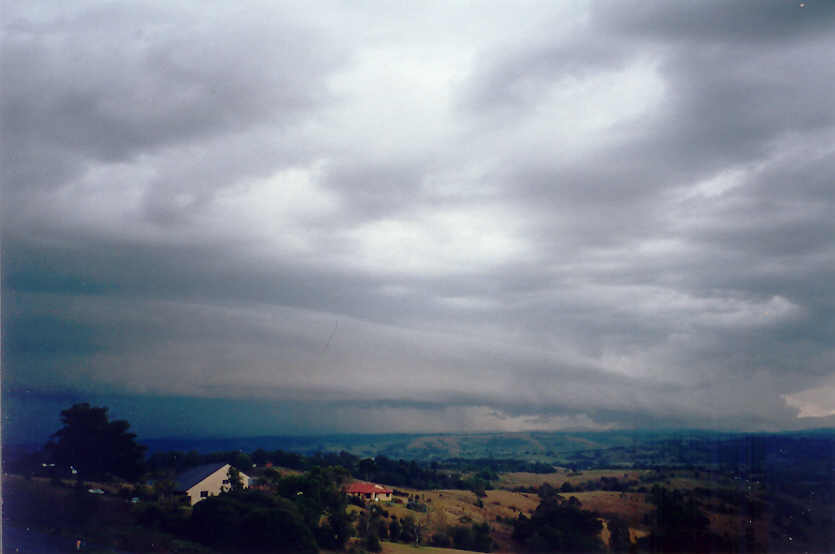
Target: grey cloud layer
x=616, y=217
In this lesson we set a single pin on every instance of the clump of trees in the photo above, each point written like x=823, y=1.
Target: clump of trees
x=559, y=525
x=678, y=525
x=307, y=513
x=619, y=541
x=602, y=484
x=417, y=506
x=371, y=526
x=398, y=473
x=494, y=466
x=165, y=463
x=474, y=537
x=251, y=521
x=95, y=446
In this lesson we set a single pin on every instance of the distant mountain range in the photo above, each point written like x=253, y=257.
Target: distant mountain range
x=534, y=446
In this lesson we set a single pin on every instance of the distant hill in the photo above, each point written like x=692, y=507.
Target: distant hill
x=553, y=447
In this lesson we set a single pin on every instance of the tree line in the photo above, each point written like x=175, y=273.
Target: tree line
x=397, y=473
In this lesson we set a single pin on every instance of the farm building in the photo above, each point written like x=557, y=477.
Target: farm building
x=369, y=491
x=204, y=481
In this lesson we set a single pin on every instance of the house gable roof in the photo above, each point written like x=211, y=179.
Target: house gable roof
x=365, y=488
x=191, y=477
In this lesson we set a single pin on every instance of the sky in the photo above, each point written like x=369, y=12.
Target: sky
x=290, y=218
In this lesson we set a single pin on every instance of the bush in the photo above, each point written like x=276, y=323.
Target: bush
x=394, y=530
x=441, y=540
x=372, y=544
x=559, y=526
x=476, y=537
x=379, y=510
x=417, y=506
x=618, y=536
x=252, y=521
x=408, y=530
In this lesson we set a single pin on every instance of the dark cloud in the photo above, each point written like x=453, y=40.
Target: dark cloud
x=169, y=91
x=619, y=217
x=714, y=22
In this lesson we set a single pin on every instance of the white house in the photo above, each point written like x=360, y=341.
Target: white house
x=204, y=481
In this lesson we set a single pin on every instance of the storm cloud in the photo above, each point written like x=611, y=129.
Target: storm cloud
x=371, y=217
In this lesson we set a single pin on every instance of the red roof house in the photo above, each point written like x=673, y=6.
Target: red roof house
x=368, y=491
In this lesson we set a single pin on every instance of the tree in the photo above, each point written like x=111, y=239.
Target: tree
x=165, y=490
x=559, y=527
x=367, y=468
x=408, y=530
x=394, y=530
x=271, y=477
x=235, y=482
x=618, y=536
x=678, y=525
x=251, y=522
x=337, y=530
x=95, y=446
x=372, y=543
x=260, y=457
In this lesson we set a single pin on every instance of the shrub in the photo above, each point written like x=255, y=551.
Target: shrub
x=372, y=543
x=379, y=510
x=556, y=526
x=441, y=540
x=394, y=530
x=417, y=506
x=475, y=537
x=252, y=521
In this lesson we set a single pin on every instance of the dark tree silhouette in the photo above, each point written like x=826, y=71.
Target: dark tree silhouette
x=95, y=446
x=558, y=526
x=678, y=525
x=618, y=536
x=235, y=482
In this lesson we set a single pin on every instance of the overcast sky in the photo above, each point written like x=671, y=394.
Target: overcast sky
x=368, y=216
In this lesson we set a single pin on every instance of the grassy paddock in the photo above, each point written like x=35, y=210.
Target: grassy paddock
x=631, y=507
x=458, y=507
x=524, y=479
x=400, y=548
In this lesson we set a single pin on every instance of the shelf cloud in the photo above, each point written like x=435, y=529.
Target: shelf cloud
x=368, y=217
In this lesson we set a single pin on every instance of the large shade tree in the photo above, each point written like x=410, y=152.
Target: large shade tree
x=95, y=446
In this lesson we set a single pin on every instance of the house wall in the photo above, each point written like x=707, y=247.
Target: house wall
x=213, y=484
x=372, y=496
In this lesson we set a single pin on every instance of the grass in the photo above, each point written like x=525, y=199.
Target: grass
x=106, y=521
x=458, y=507
x=524, y=479
x=631, y=507
x=400, y=548
x=446, y=508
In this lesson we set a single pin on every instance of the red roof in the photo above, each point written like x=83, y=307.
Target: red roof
x=365, y=488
